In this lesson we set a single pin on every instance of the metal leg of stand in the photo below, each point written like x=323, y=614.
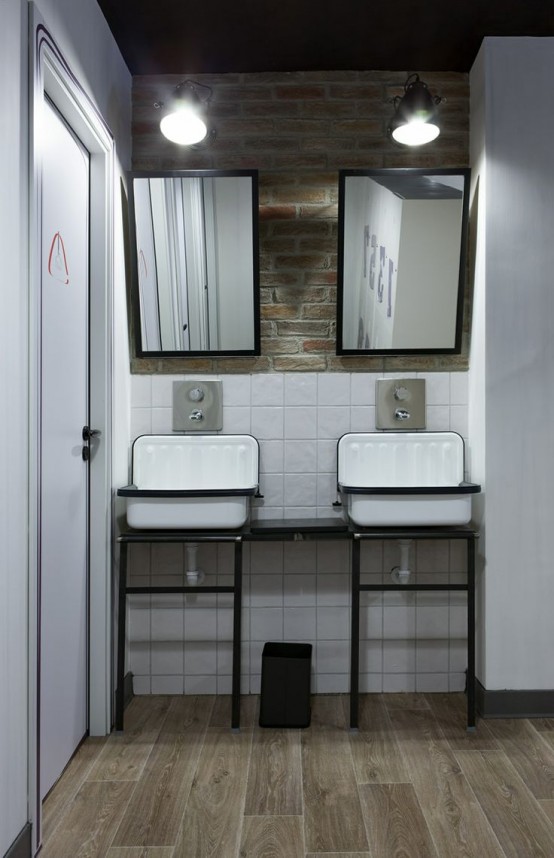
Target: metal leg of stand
x=121, y=631
x=355, y=635
x=237, y=605
x=471, y=633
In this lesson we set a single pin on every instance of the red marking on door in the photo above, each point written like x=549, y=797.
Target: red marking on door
x=57, y=260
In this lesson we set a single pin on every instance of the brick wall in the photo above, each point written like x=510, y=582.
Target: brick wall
x=298, y=129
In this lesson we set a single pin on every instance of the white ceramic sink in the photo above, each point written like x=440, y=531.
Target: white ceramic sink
x=404, y=479
x=191, y=482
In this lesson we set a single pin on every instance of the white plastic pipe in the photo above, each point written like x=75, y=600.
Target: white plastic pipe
x=401, y=574
x=194, y=575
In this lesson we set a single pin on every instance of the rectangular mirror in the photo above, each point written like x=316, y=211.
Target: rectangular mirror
x=402, y=261
x=195, y=262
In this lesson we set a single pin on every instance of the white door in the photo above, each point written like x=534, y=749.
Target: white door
x=63, y=544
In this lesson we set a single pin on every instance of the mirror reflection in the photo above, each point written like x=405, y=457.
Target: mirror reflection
x=194, y=241
x=401, y=265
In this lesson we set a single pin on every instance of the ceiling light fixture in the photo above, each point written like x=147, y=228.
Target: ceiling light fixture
x=184, y=122
x=414, y=121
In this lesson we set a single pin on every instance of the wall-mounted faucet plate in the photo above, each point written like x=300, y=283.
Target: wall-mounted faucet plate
x=400, y=403
x=197, y=406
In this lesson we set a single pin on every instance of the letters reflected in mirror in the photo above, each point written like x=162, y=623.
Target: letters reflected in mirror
x=194, y=251
x=402, y=261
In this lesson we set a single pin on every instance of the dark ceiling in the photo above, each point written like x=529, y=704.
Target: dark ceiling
x=217, y=36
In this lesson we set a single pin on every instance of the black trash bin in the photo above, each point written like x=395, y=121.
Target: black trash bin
x=285, y=692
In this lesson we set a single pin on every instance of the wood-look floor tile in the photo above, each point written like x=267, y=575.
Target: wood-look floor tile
x=65, y=789
x=395, y=825
x=547, y=806
x=140, y=852
x=213, y=814
x=542, y=725
x=333, y=819
x=522, y=828
x=338, y=855
x=275, y=774
x=272, y=837
x=457, y=823
x=154, y=814
x=124, y=754
x=88, y=827
x=377, y=758
x=530, y=752
x=450, y=711
x=405, y=700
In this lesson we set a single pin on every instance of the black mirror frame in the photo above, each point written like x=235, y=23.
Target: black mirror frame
x=135, y=299
x=408, y=171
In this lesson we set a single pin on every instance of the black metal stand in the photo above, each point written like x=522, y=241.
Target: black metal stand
x=124, y=591
x=412, y=533
x=297, y=529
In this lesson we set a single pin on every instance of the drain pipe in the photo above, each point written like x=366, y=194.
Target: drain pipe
x=401, y=574
x=194, y=575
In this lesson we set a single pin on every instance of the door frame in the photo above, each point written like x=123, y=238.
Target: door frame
x=51, y=75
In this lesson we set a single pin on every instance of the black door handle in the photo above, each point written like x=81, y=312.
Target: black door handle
x=89, y=433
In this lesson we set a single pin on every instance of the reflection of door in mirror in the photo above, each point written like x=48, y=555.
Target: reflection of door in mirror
x=408, y=295
x=195, y=263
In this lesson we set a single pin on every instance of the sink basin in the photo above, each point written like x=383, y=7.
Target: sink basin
x=404, y=479
x=191, y=482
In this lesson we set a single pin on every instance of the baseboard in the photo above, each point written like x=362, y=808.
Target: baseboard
x=513, y=703
x=21, y=847
x=128, y=692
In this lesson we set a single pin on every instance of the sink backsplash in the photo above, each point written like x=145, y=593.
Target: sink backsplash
x=299, y=591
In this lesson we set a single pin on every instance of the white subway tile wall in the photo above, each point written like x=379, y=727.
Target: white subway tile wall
x=299, y=591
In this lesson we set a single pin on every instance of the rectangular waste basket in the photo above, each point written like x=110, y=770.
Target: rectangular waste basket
x=285, y=691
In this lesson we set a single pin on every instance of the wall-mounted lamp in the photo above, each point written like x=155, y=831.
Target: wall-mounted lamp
x=414, y=121
x=184, y=120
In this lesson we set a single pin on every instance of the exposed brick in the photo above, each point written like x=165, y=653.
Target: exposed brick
x=303, y=261
x=277, y=212
x=301, y=227
x=277, y=311
x=303, y=126
x=326, y=245
x=330, y=211
x=299, y=129
x=312, y=294
x=327, y=144
x=296, y=92
x=300, y=161
x=318, y=311
x=319, y=345
x=341, y=363
x=316, y=278
x=306, y=329
x=271, y=108
x=280, y=345
x=280, y=278
x=243, y=365
x=302, y=363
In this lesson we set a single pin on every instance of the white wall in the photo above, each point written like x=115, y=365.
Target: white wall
x=513, y=358
x=427, y=284
x=83, y=36
x=13, y=432
x=299, y=590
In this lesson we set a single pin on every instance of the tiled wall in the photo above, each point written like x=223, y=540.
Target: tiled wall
x=299, y=591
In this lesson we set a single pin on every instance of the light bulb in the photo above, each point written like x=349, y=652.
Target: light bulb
x=183, y=126
x=416, y=133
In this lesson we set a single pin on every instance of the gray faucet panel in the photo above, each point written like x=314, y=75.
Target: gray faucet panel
x=197, y=406
x=400, y=403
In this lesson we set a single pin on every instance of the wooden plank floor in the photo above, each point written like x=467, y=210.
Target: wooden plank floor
x=412, y=783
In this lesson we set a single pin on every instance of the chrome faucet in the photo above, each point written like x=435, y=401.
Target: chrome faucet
x=196, y=415
x=402, y=414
